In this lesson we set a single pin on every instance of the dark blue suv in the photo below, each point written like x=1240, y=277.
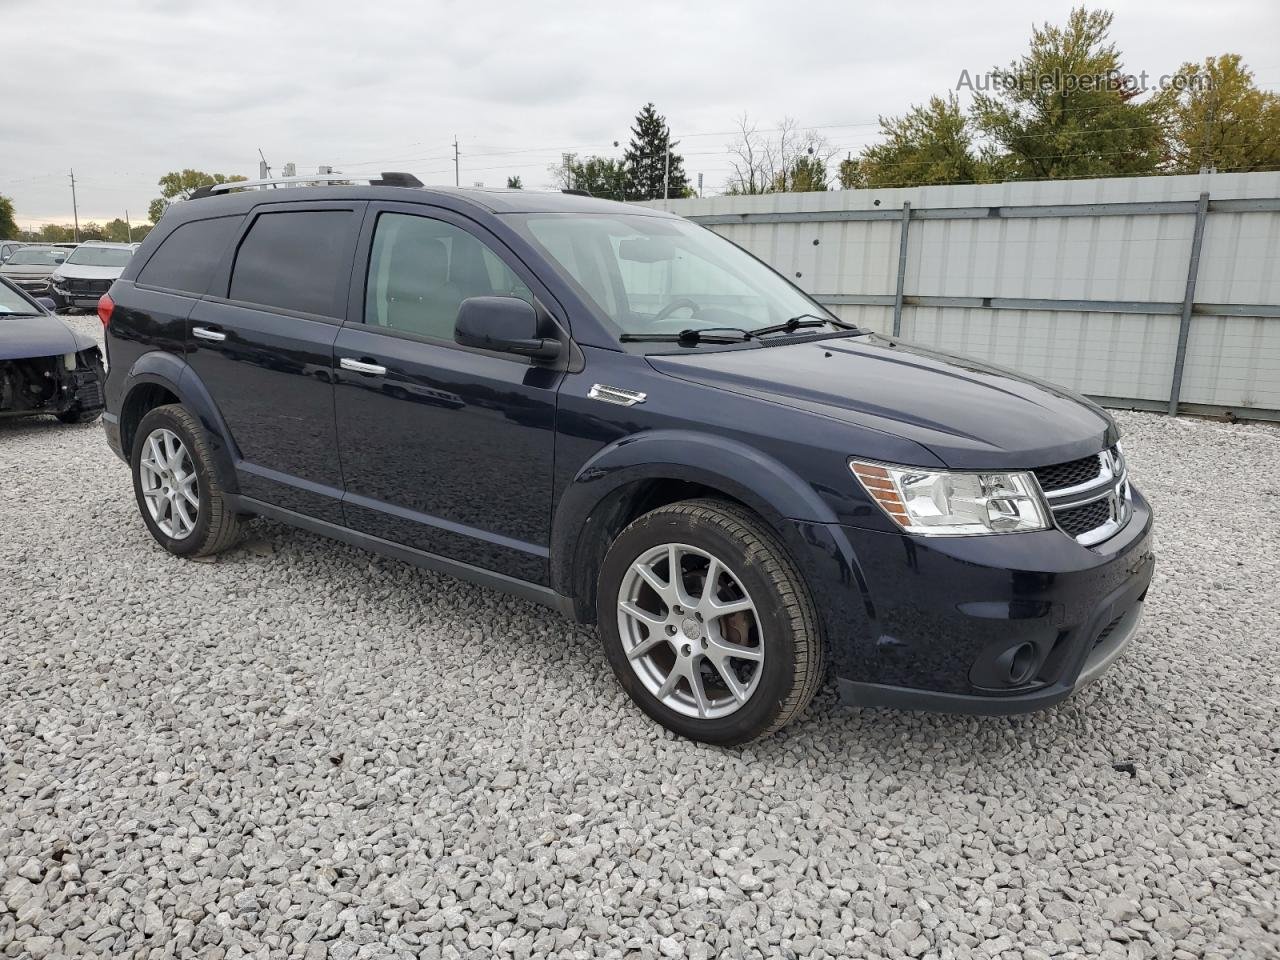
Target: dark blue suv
x=611, y=411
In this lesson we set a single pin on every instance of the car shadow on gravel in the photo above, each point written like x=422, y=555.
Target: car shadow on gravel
x=899, y=740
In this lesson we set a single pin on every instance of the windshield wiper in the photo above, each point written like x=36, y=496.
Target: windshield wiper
x=692, y=337
x=802, y=320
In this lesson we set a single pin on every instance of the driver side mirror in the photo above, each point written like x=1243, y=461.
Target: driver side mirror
x=47, y=303
x=504, y=324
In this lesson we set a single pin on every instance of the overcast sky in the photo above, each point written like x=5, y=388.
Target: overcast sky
x=123, y=91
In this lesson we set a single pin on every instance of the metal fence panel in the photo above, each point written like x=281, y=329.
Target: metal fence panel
x=1080, y=282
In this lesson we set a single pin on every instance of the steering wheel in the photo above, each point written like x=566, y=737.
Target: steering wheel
x=666, y=312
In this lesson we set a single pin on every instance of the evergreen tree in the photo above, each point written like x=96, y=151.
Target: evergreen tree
x=8, y=225
x=646, y=159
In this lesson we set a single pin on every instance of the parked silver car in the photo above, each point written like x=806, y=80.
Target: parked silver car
x=30, y=267
x=9, y=247
x=88, y=273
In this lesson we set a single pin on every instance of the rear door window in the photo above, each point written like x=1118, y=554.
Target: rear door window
x=295, y=260
x=188, y=257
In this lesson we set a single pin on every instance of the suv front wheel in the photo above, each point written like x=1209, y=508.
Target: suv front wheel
x=707, y=623
x=176, y=487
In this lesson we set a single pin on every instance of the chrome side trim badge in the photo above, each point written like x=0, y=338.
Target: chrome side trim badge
x=615, y=395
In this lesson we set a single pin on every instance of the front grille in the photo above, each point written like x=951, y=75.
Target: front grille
x=1080, y=520
x=1070, y=474
x=88, y=286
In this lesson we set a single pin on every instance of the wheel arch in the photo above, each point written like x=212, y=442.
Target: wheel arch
x=641, y=473
x=157, y=378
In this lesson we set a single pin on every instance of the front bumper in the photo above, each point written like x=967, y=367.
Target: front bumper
x=76, y=295
x=991, y=625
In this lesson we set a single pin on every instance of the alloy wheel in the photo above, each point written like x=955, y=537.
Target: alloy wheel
x=690, y=631
x=169, y=485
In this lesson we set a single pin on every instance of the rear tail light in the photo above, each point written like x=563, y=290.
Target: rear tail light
x=105, y=306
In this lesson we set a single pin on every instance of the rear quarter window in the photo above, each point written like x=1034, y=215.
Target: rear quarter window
x=187, y=258
x=293, y=260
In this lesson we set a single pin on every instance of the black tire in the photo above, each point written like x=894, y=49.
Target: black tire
x=792, y=668
x=216, y=527
x=79, y=416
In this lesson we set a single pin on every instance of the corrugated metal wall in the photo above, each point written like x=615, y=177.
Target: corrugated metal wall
x=1106, y=262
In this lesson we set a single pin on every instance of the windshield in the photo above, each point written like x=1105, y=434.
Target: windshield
x=45, y=256
x=11, y=301
x=100, y=256
x=653, y=275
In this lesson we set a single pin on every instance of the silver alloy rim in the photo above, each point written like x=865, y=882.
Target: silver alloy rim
x=690, y=631
x=169, y=486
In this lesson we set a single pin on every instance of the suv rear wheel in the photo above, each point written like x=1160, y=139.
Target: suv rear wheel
x=176, y=487
x=707, y=623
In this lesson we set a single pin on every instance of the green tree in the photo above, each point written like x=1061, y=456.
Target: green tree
x=118, y=231
x=805, y=174
x=1220, y=120
x=645, y=160
x=1062, y=111
x=181, y=184
x=514, y=183
x=8, y=223
x=928, y=145
x=847, y=174
x=598, y=176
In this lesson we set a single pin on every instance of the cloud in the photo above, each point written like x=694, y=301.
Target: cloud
x=146, y=86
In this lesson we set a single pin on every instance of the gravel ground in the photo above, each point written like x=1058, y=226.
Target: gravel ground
x=301, y=750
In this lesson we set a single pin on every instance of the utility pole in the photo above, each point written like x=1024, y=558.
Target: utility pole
x=457, y=179
x=666, y=173
x=128, y=226
x=74, y=209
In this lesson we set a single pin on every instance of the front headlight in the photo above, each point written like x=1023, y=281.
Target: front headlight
x=945, y=503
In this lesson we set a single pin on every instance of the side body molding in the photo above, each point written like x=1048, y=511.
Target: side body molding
x=611, y=481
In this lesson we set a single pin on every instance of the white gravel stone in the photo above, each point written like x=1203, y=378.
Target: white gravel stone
x=302, y=750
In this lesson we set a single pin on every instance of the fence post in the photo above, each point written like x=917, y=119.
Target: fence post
x=902, y=268
x=1188, y=300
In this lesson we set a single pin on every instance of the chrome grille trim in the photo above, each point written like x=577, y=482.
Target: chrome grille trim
x=1111, y=484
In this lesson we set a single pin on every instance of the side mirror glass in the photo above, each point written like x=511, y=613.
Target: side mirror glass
x=503, y=324
x=47, y=304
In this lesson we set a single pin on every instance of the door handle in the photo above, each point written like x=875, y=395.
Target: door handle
x=204, y=333
x=360, y=366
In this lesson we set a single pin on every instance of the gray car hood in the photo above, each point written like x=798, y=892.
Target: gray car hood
x=84, y=271
x=45, y=336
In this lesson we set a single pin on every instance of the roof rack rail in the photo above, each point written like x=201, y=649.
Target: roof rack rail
x=387, y=179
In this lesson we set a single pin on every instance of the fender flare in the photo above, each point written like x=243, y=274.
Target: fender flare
x=599, y=490
x=175, y=375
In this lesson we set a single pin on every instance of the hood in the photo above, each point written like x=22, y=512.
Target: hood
x=27, y=270
x=46, y=336
x=83, y=271
x=969, y=414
